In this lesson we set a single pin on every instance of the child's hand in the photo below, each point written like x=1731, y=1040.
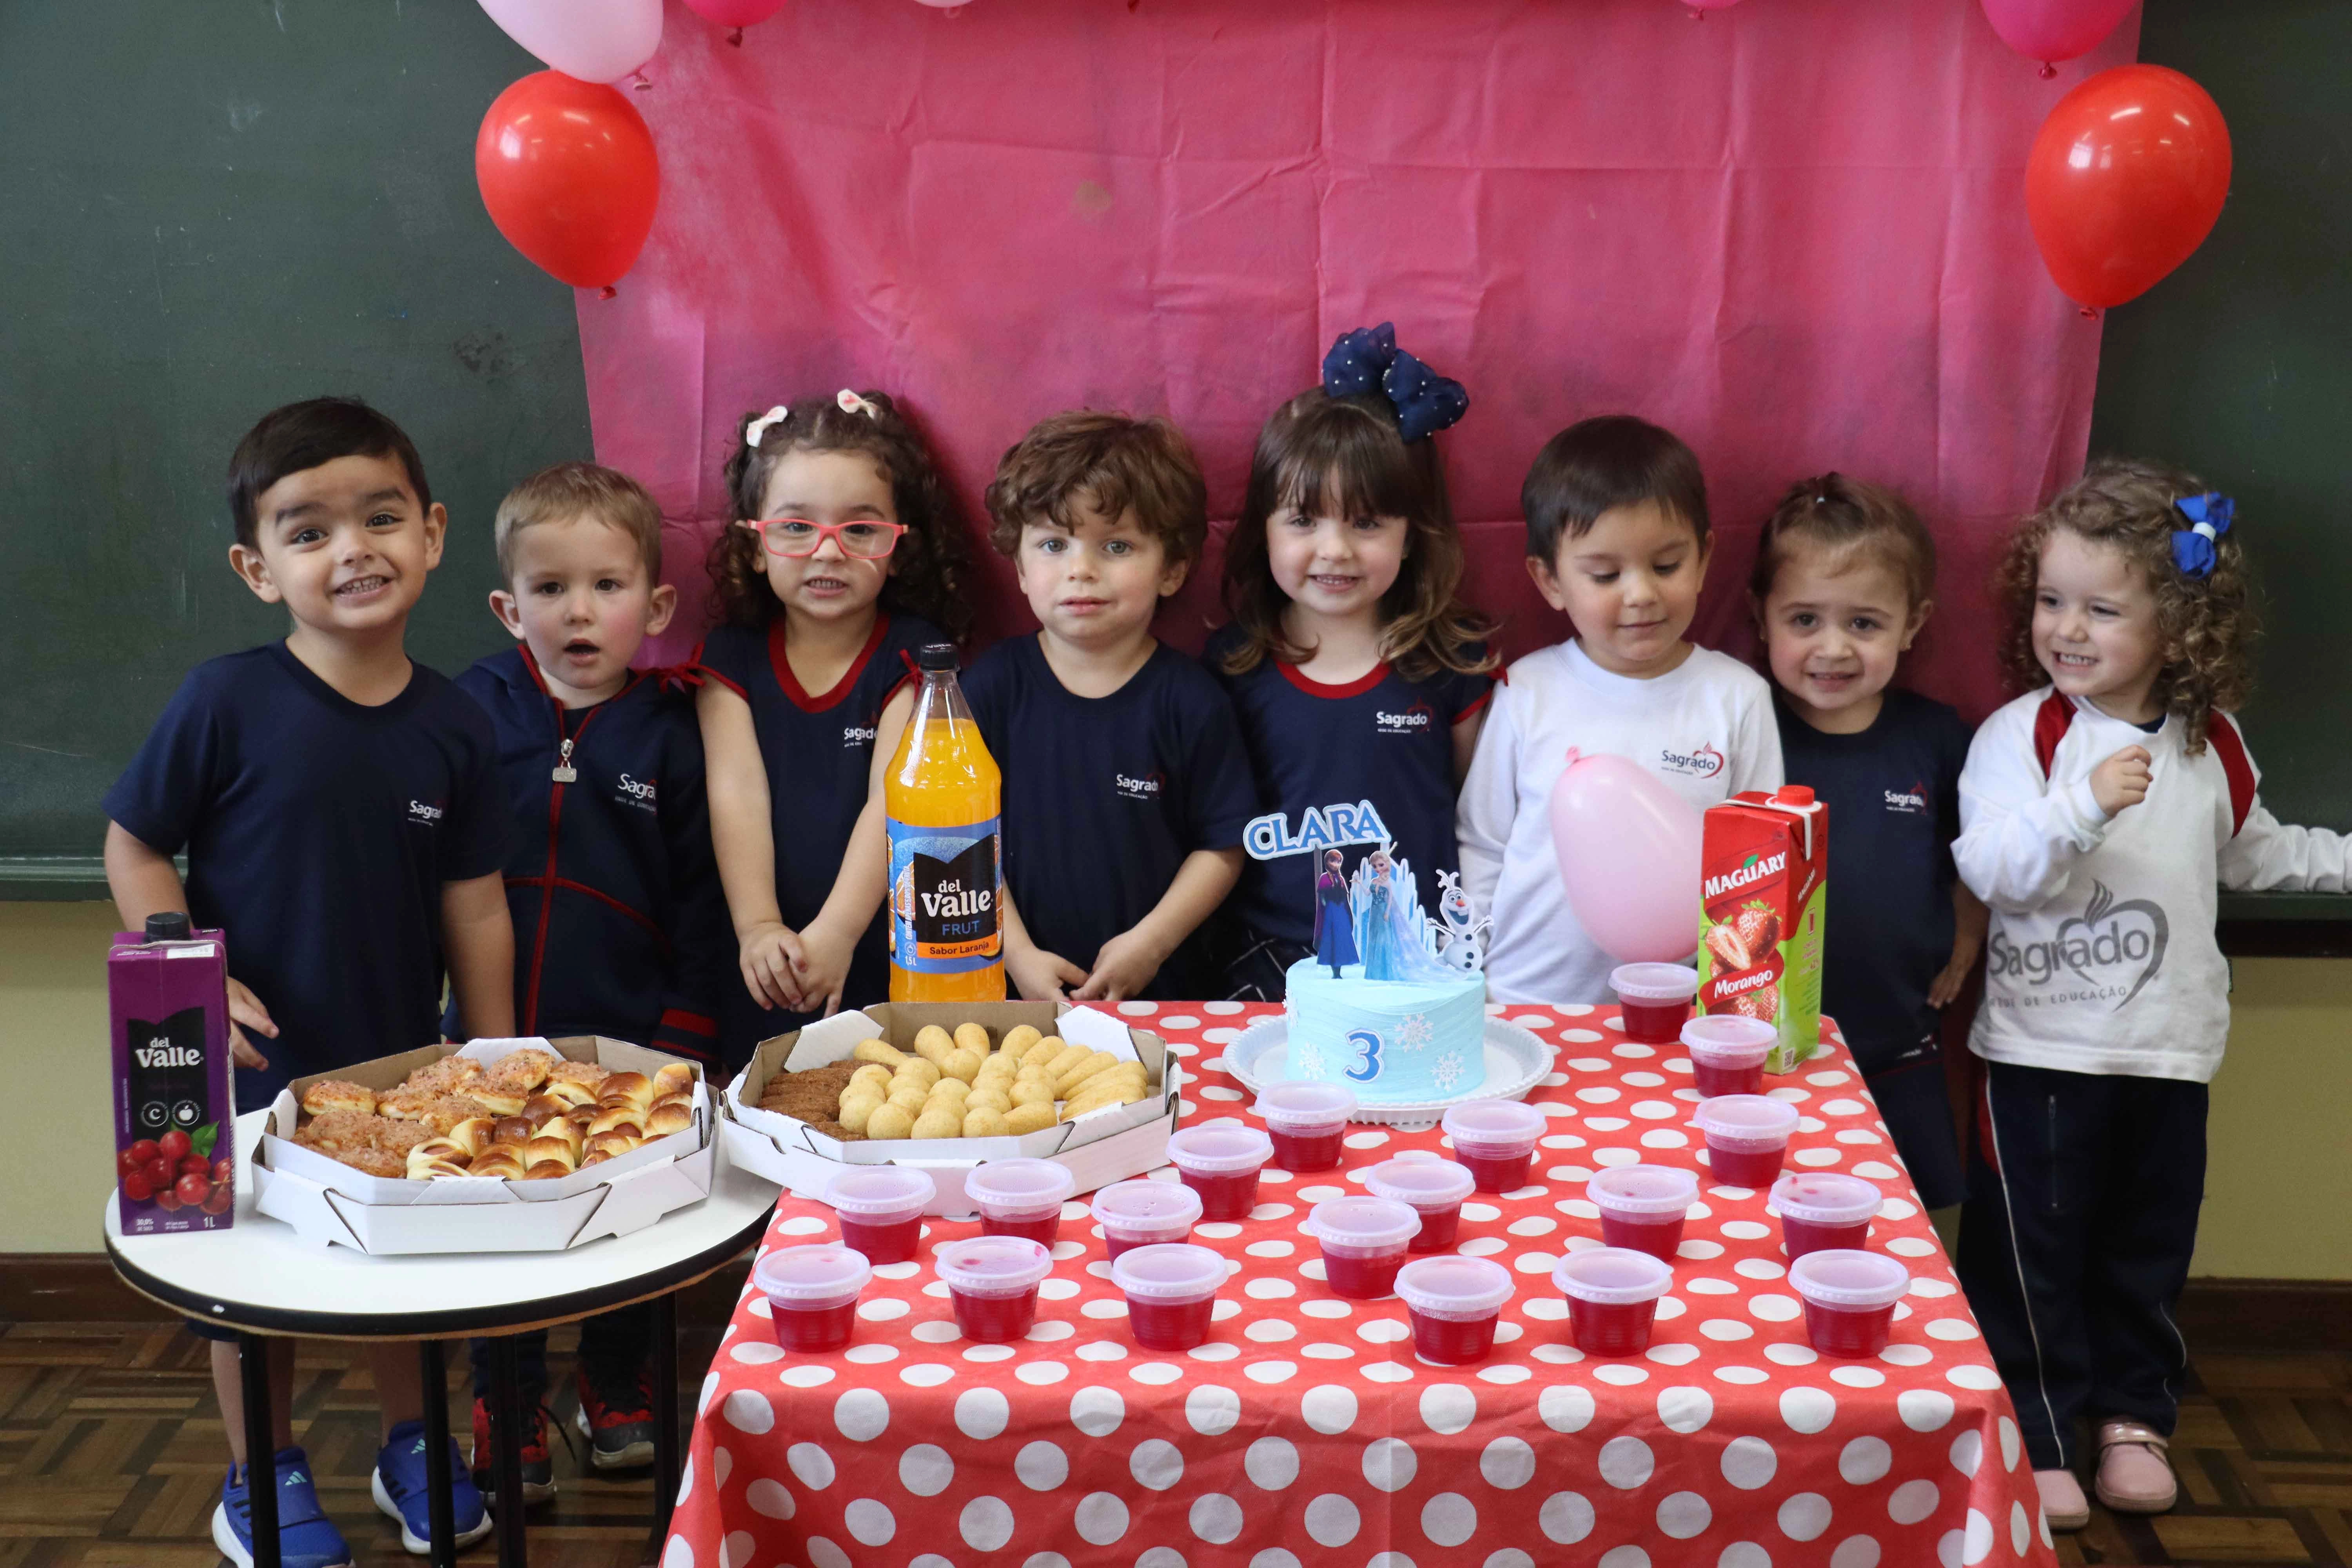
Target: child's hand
x=1039, y=975
x=245, y=1012
x=822, y=966
x=2122, y=780
x=770, y=957
x=1954, y=975
x=1123, y=967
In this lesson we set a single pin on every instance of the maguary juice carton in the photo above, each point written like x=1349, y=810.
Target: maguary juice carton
x=175, y=1103
x=1763, y=884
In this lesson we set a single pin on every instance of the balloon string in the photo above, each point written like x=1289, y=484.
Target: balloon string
x=643, y=82
x=606, y=292
x=736, y=37
x=2047, y=71
x=2090, y=312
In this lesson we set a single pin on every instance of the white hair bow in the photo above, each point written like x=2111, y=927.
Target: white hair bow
x=760, y=427
x=853, y=404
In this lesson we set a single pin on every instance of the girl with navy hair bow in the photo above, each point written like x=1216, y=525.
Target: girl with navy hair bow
x=2099, y=812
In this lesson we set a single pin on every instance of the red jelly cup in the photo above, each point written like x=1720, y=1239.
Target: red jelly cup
x=1364, y=1242
x=992, y=1282
x=1171, y=1292
x=811, y=1293
x=1220, y=1160
x=1746, y=1136
x=1727, y=1052
x=1432, y=1188
x=1822, y=1211
x=1021, y=1197
x=1145, y=1214
x=1454, y=1302
x=1848, y=1298
x=1494, y=1139
x=1642, y=1206
x=1613, y=1298
x=1652, y=999
x=1307, y=1121
x=880, y=1208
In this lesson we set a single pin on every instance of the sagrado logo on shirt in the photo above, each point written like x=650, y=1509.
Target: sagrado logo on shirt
x=2114, y=947
x=1703, y=762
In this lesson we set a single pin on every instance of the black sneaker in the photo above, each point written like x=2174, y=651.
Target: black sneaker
x=616, y=1416
x=538, y=1471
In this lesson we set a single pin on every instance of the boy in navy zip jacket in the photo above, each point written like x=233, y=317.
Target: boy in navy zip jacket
x=620, y=923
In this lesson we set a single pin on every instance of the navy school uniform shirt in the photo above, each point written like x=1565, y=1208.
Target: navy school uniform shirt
x=1384, y=739
x=1893, y=794
x=818, y=749
x=1104, y=796
x=320, y=832
x=620, y=923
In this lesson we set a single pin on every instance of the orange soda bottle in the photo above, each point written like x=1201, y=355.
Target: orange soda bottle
x=942, y=797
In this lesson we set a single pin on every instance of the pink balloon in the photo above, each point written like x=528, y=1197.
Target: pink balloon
x=1628, y=849
x=2049, y=30
x=595, y=40
x=735, y=12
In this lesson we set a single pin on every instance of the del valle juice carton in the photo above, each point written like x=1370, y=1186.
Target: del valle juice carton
x=1764, y=880
x=173, y=1103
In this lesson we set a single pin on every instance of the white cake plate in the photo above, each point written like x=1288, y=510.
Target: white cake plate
x=1514, y=1062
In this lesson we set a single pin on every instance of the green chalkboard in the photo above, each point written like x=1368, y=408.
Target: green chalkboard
x=208, y=207
x=2238, y=367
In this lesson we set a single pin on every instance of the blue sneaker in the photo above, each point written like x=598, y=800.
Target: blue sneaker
x=307, y=1538
x=399, y=1487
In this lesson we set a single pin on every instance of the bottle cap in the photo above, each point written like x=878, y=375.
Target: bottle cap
x=169, y=926
x=1794, y=794
x=937, y=656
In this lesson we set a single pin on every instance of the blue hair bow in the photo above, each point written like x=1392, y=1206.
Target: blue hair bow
x=2208, y=517
x=1369, y=358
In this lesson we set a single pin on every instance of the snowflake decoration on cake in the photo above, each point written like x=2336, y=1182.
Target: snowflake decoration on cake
x=1306, y=1060
x=1413, y=1034
x=1447, y=1071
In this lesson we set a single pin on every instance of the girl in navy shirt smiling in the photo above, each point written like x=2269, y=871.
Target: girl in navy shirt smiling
x=1356, y=670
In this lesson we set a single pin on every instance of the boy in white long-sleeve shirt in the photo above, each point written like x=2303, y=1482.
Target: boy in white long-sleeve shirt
x=1618, y=541
x=2098, y=814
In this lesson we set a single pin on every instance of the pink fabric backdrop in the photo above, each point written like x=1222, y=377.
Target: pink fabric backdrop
x=1794, y=233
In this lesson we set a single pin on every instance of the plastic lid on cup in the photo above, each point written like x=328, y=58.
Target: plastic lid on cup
x=826, y=1274
x=1169, y=1272
x=1508, y=1126
x=1823, y=1197
x=1363, y=1224
x=1654, y=982
x=1220, y=1149
x=1306, y=1107
x=1847, y=1278
x=1019, y=1187
x=1728, y=1039
x=1147, y=1208
x=1454, y=1289
x=1746, y=1120
x=1611, y=1276
x=993, y=1265
x=880, y=1192
x=1426, y=1185
x=1655, y=1191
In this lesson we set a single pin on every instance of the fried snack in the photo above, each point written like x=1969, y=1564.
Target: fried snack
x=916, y=1070
x=998, y=1068
x=972, y=1037
x=933, y=1042
x=953, y=1087
x=857, y=1109
x=962, y=1064
x=995, y=1100
x=635, y=1087
x=673, y=1077
x=1064, y=1060
x=872, y=1073
x=943, y=1120
x=890, y=1121
x=1017, y=1039
x=983, y=1122
x=1033, y=1091
x=810, y=1096
x=1066, y=1084
x=1029, y=1119
x=1077, y=1107
x=335, y=1094
x=1043, y=1050
x=666, y=1119
x=880, y=1051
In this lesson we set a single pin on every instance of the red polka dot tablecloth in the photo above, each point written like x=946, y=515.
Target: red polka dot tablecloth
x=1307, y=1435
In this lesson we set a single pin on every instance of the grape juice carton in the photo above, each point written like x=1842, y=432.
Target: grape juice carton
x=175, y=1103
x=1763, y=884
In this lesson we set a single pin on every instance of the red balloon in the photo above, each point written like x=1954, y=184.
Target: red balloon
x=568, y=173
x=2125, y=178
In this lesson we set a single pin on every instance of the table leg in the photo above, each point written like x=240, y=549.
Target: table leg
x=261, y=1448
x=665, y=1443
x=505, y=1446
x=435, y=1377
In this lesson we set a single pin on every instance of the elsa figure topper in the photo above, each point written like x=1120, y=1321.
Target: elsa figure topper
x=1391, y=931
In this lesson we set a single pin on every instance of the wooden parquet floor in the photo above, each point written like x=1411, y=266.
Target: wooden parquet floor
x=110, y=1456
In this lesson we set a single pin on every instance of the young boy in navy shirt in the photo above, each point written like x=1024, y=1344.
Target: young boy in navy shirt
x=1125, y=786
x=342, y=813
x=620, y=928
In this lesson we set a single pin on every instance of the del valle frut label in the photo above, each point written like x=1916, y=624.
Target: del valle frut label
x=947, y=897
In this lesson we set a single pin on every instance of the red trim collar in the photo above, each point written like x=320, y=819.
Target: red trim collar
x=841, y=688
x=1314, y=688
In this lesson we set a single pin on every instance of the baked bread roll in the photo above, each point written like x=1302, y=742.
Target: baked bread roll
x=612, y=1144
x=567, y=1093
x=419, y=1170
x=594, y=1157
x=498, y=1163
x=626, y=1119
x=571, y=1131
x=447, y=1149
x=550, y=1148
x=446, y=1076
x=524, y=1069
x=498, y=1100
x=514, y=1130
x=542, y=1109
x=586, y=1074
x=335, y=1094
x=673, y=1077
x=635, y=1087
x=666, y=1118
x=547, y=1171
x=580, y=1116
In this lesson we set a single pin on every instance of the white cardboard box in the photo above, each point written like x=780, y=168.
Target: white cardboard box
x=330, y=1203
x=1100, y=1148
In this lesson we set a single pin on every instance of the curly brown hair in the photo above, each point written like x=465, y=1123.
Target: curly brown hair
x=931, y=569
x=2206, y=625
x=1110, y=462
x=1344, y=457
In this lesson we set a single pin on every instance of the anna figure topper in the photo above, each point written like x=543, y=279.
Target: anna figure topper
x=1335, y=919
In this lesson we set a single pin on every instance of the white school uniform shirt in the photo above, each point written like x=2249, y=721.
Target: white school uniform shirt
x=1705, y=728
x=2101, y=957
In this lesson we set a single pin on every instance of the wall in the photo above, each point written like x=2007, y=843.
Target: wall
x=2279, y=1108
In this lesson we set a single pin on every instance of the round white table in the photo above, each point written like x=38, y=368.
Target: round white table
x=259, y=1279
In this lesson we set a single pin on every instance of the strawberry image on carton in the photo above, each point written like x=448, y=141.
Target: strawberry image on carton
x=1763, y=884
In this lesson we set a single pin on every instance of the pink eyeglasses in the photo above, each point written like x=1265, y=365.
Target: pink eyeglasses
x=797, y=536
